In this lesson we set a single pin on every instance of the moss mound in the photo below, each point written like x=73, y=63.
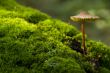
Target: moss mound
x=11, y=9
x=33, y=42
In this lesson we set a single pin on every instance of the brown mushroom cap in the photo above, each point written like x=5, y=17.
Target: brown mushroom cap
x=83, y=16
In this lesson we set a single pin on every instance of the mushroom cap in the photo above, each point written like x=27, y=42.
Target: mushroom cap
x=83, y=16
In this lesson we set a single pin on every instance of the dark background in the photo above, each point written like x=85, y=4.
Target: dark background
x=63, y=9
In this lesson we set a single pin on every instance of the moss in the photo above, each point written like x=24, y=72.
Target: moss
x=104, y=70
x=100, y=51
x=25, y=44
x=16, y=10
x=61, y=65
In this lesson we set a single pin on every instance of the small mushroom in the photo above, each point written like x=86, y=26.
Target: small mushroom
x=82, y=18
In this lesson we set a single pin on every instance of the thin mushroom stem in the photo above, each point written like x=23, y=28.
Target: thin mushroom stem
x=83, y=38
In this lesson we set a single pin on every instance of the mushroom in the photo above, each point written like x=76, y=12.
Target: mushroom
x=82, y=18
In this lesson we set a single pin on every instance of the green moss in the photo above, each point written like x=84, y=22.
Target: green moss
x=16, y=10
x=99, y=49
x=61, y=65
x=25, y=44
x=104, y=70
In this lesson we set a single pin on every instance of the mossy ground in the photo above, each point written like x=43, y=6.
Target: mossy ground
x=33, y=42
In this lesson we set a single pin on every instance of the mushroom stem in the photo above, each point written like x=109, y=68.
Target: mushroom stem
x=83, y=38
